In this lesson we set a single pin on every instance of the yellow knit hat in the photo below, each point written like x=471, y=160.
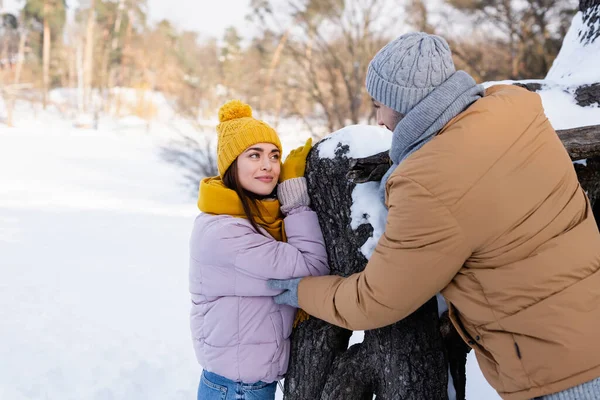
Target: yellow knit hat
x=237, y=131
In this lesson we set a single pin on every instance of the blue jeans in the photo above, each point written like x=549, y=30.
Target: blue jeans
x=217, y=387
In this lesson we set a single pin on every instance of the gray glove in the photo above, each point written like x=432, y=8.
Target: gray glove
x=290, y=291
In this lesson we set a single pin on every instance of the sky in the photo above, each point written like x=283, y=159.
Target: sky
x=205, y=16
x=208, y=17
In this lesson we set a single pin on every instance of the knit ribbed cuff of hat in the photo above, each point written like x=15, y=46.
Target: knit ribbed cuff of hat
x=293, y=193
x=399, y=98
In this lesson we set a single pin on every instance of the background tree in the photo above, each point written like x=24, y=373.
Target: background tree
x=89, y=53
x=232, y=61
x=48, y=19
x=417, y=16
x=325, y=56
x=9, y=32
x=13, y=34
x=532, y=29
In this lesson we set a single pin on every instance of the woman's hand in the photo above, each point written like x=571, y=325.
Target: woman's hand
x=294, y=165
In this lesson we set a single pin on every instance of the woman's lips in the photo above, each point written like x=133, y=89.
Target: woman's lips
x=266, y=179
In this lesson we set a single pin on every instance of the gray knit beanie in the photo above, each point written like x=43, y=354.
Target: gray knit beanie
x=407, y=69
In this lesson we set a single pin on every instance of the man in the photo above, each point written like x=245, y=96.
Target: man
x=484, y=207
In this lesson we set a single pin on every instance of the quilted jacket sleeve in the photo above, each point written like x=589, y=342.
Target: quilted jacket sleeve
x=231, y=259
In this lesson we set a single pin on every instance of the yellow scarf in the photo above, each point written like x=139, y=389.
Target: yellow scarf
x=216, y=198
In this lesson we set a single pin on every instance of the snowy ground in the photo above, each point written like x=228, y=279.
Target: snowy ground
x=93, y=258
x=93, y=254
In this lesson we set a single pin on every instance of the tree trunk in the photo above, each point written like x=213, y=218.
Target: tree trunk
x=20, y=54
x=273, y=67
x=104, y=72
x=117, y=28
x=20, y=57
x=89, y=57
x=585, y=4
x=46, y=56
x=405, y=360
x=80, y=78
x=4, y=55
x=589, y=177
x=73, y=66
x=124, y=56
x=582, y=142
x=113, y=47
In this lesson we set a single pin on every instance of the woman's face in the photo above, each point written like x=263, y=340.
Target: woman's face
x=259, y=168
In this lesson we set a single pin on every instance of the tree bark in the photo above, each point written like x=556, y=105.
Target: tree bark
x=582, y=142
x=315, y=346
x=589, y=177
x=588, y=95
x=406, y=360
x=585, y=4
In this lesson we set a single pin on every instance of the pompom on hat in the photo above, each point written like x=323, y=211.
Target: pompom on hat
x=238, y=130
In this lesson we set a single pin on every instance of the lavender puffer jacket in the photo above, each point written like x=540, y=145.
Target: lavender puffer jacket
x=238, y=330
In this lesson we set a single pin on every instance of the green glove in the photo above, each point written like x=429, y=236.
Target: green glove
x=295, y=163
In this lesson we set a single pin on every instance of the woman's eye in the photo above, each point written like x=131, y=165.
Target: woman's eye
x=275, y=157
x=254, y=155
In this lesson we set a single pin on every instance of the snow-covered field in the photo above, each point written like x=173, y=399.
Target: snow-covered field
x=94, y=230
x=93, y=261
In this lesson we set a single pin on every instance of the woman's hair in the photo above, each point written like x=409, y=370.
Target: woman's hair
x=250, y=201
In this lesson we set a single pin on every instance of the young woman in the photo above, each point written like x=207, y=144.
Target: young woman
x=251, y=229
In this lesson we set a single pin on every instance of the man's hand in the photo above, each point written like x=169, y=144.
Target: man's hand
x=290, y=291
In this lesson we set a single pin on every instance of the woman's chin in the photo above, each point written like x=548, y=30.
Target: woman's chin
x=263, y=190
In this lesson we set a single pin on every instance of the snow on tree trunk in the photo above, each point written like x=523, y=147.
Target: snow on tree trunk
x=580, y=48
x=406, y=360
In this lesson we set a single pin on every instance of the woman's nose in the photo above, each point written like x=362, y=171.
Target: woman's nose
x=266, y=165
